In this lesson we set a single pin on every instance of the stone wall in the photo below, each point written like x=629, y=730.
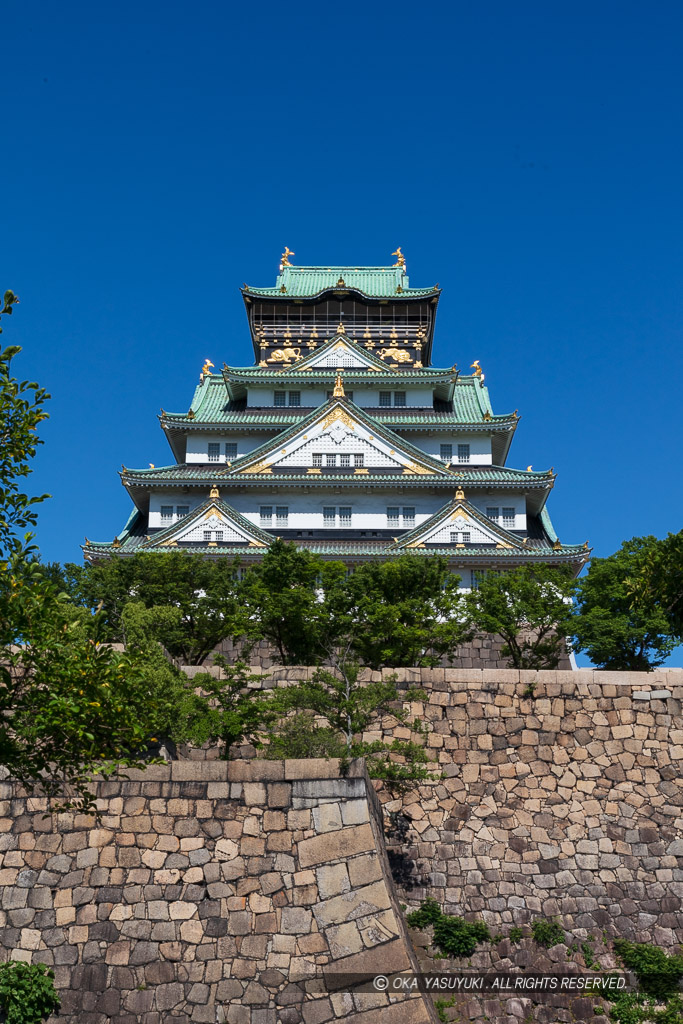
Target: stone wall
x=208, y=892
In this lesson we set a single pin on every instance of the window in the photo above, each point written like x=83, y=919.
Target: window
x=330, y=460
x=231, y=450
x=384, y=399
x=399, y=398
x=345, y=461
x=166, y=515
x=409, y=516
x=182, y=510
x=393, y=513
x=266, y=515
x=446, y=451
x=492, y=513
x=295, y=398
x=213, y=535
x=317, y=458
x=508, y=517
x=281, y=515
x=358, y=460
x=461, y=537
x=280, y=398
x=214, y=452
x=463, y=453
x=342, y=514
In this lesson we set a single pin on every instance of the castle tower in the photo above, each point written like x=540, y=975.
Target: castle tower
x=343, y=438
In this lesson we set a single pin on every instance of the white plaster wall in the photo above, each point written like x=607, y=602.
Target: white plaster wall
x=480, y=445
x=198, y=444
x=363, y=396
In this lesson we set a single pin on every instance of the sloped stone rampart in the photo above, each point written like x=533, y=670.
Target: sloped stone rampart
x=209, y=892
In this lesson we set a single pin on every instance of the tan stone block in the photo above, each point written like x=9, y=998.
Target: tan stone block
x=363, y=870
x=192, y=931
x=260, y=904
x=181, y=911
x=354, y=904
x=332, y=879
x=312, y=768
x=313, y=943
x=470, y=772
x=344, y=939
x=327, y=817
x=254, y=794
x=255, y=771
x=100, y=837
x=226, y=849
x=335, y=845
x=389, y=958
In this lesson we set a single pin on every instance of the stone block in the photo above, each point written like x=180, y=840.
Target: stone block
x=351, y=905
x=295, y=921
x=336, y=845
x=333, y=879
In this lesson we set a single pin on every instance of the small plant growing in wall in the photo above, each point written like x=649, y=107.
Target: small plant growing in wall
x=27, y=993
x=453, y=936
x=516, y=935
x=547, y=932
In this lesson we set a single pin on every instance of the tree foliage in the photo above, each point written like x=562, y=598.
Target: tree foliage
x=189, y=603
x=530, y=608
x=658, y=582
x=27, y=992
x=616, y=631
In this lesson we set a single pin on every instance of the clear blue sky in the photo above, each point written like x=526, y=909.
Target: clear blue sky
x=526, y=156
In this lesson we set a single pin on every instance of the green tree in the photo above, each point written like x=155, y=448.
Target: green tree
x=350, y=708
x=70, y=708
x=403, y=612
x=658, y=583
x=225, y=710
x=286, y=601
x=530, y=608
x=192, y=603
x=615, y=631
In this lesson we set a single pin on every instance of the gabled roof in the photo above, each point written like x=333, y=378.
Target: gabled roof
x=212, y=513
x=371, y=282
x=342, y=347
x=340, y=410
x=459, y=509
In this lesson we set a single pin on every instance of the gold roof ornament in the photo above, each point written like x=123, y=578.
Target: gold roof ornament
x=478, y=372
x=557, y=546
x=214, y=492
x=341, y=329
x=528, y=469
x=487, y=417
x=206, y=370
x=400, y=258
x=151, y=465
x=284, y=259
x=338, y=387
x=190, y=414
x=459, y=494
x=341, y=283
x=116, y=543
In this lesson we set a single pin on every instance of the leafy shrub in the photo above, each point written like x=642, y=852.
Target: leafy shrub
x=453, y=936
x=657, y=973
x=516, y=934
x=27, y=994
x=547, y=932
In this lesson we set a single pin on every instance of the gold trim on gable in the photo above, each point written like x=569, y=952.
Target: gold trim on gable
x=260, y=467
x=339, y=414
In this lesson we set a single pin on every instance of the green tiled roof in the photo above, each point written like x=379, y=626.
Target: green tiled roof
x=480, y=476
x=375, y=282
x=394, y=417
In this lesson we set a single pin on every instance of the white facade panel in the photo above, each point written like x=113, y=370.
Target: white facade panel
x=367, y=397
x=480, y=445
x=198, y=444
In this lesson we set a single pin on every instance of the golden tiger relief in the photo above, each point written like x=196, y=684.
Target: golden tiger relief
x=284, y=355
x=398, y=355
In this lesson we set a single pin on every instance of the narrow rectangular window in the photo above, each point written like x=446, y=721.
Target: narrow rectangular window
x=409, y=516
x=281, y=514
x=219, y=535
x=392, y=515
x=182, y=510
x=214, y=452
x=345, y=515
x=266, y=514
x=492, y=513
x=399, y=398
x=166, y=514
x=358, y=460
x=508, y=517
x=331, y=460
x=345, y=461
x=230, y=450
x=207, y=535
x=317, y=458
x=447, y=452
x=280, y=398
x=454, y=537
x=466, y=537
x=463, y=453
x=329, y=516
x=384, y=399
x=295, y=398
